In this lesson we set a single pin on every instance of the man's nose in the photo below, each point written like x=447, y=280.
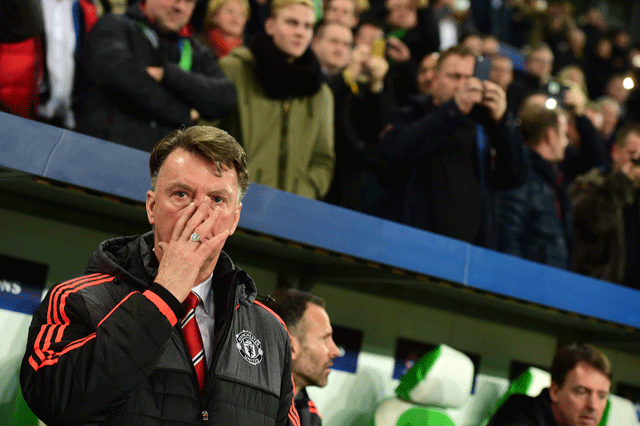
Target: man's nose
x=335, y=351
x=593, y=400
x=180, y=4
x=201, y=199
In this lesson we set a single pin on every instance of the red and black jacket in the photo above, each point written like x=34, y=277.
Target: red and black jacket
x=104, y=349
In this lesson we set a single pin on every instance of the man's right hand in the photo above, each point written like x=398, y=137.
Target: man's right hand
x=469, y=94
x=398, y=50
x=181, y=259
x=575, y=100
x=359, y=56
x=632, y=171
x=157, y=73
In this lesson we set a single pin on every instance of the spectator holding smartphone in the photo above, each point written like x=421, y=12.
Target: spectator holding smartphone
x=449, y=150
x=362, y=101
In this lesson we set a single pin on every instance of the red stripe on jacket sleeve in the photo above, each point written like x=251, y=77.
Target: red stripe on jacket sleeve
x=162, y=305
x=63, y=298
x=71, y=346
x=293, y=413
x=58, y=321
x=272, y=313
x=52, y=313
x=54, y=318
x=313, y=409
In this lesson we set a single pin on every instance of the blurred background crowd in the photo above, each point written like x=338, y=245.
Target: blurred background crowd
x=509, y=124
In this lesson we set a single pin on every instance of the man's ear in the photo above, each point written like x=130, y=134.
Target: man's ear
x=151, y=202
x=553, y=392
x=615, y=153
x=296, y=348
x=268, y=26
x=549, y=135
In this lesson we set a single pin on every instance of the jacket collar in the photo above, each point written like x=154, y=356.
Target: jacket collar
x=132, y=259
x=548, y=169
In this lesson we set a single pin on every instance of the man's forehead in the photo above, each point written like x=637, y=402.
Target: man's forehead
x=428, y=62
x=154, y=4
x=295, y=11
x=587, y=376
x=633, y=141
x=341, y=4
x=175, y=163
x=317, y=318
x=503, y=63
x=457, y=62
x=337, y=31
x=541, y=54
x=368, y=32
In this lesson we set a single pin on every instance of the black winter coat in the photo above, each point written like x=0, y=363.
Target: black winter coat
x=122, y=103
x=437, y=173
x=523, y=410
x=528, y=221
x=107, y=349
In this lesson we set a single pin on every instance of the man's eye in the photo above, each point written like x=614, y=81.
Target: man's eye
x=181, y=194
x=217, y=199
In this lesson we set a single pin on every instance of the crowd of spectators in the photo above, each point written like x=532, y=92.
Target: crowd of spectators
x=510, y=125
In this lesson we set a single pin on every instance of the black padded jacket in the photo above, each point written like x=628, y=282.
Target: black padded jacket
x=107, y=349
x=121, y=102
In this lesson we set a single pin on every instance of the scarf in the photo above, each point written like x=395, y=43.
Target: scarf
x=222, y=44
x=281, y=78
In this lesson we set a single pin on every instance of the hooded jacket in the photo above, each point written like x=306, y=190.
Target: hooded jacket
x=107, y=349
x=122, y=103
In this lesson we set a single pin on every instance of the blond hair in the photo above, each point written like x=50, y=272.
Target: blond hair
x=276, y=5
x=563, y=78
x=214, y=5
x=360, y=5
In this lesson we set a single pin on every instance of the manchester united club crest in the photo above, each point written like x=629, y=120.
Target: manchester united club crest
x=249, y=347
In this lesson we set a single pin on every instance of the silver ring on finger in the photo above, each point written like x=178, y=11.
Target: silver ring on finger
x=195, y=237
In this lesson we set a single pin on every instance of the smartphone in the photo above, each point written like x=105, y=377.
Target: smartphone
x=482, y=69
x=556, y=91
x=378, y=47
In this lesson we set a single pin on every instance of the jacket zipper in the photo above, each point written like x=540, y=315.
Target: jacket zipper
x=216, y=353
x=283, y=150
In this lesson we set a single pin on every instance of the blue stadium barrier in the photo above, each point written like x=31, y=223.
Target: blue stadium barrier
x=76, y=159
